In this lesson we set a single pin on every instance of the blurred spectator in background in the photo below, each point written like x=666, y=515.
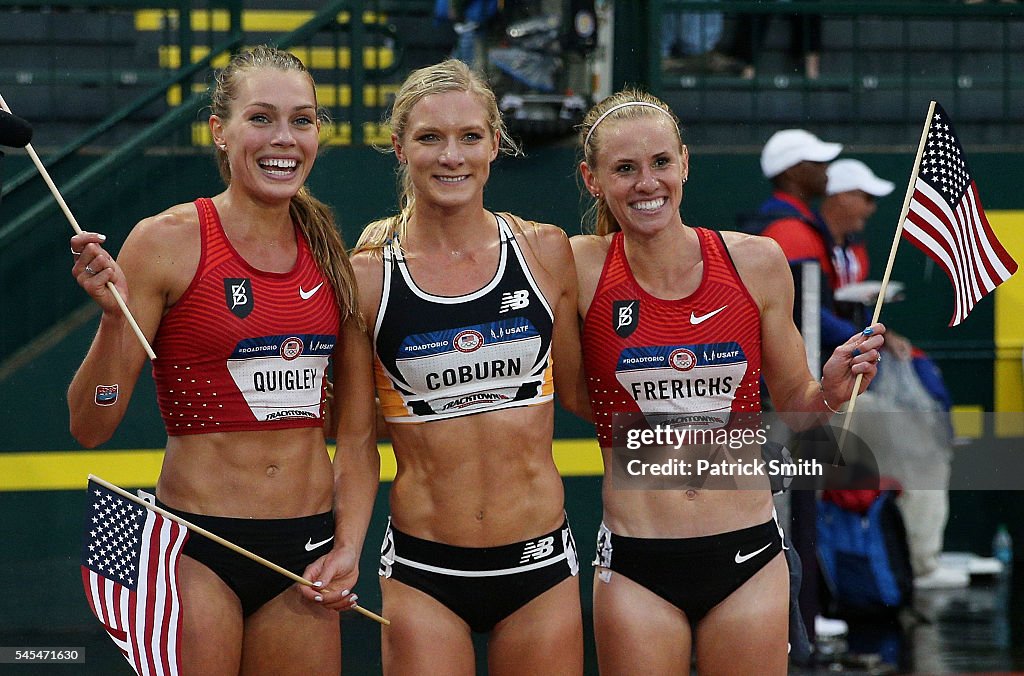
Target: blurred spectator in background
x=689, y=41
x=849, y=202
x=467, y=18
x=804, y=41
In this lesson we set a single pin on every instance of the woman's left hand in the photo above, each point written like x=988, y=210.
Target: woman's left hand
x=859, y=355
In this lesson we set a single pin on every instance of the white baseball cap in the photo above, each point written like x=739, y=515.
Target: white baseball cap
x=846, y=175
x=790, y=147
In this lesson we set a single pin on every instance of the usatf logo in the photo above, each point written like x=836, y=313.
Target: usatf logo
x=468, y=341
x=514, y=300
x=682, y=359
x=106, y=395
x=238, y=294
x=541, y=549
x=625, y=317
x=291, y=348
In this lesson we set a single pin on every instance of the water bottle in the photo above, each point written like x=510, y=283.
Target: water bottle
x=1002, y=546
x=1002, y=549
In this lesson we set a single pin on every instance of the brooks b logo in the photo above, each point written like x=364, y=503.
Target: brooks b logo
x=538, y=550
x=514, y=300
x=625, y=317
x=306, y=295
x=238, y=294
x=740, y=558
x=698, y=319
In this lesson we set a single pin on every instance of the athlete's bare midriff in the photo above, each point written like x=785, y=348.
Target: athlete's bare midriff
x=271, y=474
x=682, y=513
x=477, y=481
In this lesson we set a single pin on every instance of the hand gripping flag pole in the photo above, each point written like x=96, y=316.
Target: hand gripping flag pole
x=942, y=215
x=129, y=569
x=78, y=230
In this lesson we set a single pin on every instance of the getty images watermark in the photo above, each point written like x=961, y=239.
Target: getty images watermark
x=929, y=450
x=689, y=443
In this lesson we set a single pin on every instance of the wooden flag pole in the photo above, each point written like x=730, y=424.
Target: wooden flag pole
x=888, y=268
x=78, y=230
x=230, y=545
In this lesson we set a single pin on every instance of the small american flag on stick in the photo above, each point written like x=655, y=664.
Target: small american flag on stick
x=130, y=572
x=947, y=222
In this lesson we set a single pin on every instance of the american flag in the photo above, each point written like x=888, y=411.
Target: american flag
x=947, y=222
x=129, y=570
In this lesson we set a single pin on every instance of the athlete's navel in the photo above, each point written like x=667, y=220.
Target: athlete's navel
x=691, y=494
x=272, y=470
x=480, y=515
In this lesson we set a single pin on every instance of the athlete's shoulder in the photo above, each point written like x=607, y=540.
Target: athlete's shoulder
x=534, y=232
x=756, y=257
x=367, y=267
x=546, y=243
x=174, y=230
x=367, y=261
x=590, y=250
x=163, y=250
x=741, y=242
x=174, y=220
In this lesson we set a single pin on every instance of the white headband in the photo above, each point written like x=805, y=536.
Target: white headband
x=611, y=110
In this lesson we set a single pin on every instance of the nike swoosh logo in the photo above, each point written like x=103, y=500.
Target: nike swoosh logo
x=310, y=545
x=697, y=319
x=740, y=558
x=306, y=295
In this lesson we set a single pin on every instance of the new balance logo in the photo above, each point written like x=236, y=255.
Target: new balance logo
x=514, y=300
x=541, y=549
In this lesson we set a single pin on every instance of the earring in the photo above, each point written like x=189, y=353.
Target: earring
x=223, y=146
x=597, y=195
x=684, y=180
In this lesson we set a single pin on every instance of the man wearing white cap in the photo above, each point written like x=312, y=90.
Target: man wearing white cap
x=796, y=162
x=849, y=203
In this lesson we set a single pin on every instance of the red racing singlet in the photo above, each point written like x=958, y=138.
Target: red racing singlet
x=244, y=349
x=698, y=357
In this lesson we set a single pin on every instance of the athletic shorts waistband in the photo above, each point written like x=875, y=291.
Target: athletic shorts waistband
x=519, y=557
x=701, y=543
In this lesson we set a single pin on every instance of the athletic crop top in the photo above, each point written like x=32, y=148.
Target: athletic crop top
x=441, y=357
x=695, y=359
x=244, y=349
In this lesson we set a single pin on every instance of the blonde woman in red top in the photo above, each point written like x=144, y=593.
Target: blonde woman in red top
x=683, y=322
x=245, y=296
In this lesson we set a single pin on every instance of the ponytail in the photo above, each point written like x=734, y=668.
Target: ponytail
x=316, y=222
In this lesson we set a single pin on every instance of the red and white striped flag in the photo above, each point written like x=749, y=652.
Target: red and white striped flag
x=947, y=222
x=130, y=572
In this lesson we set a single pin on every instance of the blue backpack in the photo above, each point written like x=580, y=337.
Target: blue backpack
x=864, y=558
